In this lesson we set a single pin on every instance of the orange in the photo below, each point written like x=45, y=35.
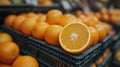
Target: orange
x=18, y=21
x=5, y=65
x=69, y=15
x=94, y=19
x=94, y=35
x=41, y=18
x=99, y=61
x=68, y=18
x=87, y=20
x=107, y=28
x=32, y=15
x=28, y=25
x=98, y=15
x=89, y=13
x=9, y=19
x=51, y=34
x=78, y=13
x=94, y=65
x=75, y=38
x=9, y=51
x=47, y=3
x=39, y=30
x=101, y=31
x=25, y=61
x=4, y=37
x=54, y=16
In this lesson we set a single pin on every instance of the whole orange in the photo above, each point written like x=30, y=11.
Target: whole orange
x=25, y=61
x=9, y=19
x=53, y=16
x=39, y=30
x=28, y=25
x=9, y=51
x=51, y=35
x=4, y=37
x=18, y=21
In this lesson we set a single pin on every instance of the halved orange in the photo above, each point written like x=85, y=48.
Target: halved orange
x=94, y=35
x=75, y=38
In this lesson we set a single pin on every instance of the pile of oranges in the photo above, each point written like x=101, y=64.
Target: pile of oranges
x=9, y=54
x=73, y=34
x=105, y=15
x=102, y=58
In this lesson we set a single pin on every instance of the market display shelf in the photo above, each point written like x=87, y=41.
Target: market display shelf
x=27, y=8
x=54, y=53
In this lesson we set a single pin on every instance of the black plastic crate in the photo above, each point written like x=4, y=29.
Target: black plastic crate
x=107, y=61
x=55, y=52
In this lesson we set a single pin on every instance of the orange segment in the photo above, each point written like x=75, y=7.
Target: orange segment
x=53, y=16
x=75, y=38
x=101, y=31
x=18, y=21
x=39, y=30
x=9, y=20
x=94, y=35
x=51, y=34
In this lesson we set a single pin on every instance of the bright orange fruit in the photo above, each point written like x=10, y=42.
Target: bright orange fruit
x=9, y=19
x=75, y=38
x=38, y=31
x=25, y=61
x=94, y=35
x=28, y=25
x=101, y=31
x=53, y=16
x=51, y=34
x=9, y=51
x=4, y=37
x=18, y=21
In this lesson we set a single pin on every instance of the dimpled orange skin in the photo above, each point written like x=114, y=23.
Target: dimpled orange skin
x=25, y=61
x=9, y=20
x=4, y=37
x=53, y=17
x=28, y=25
x=9, y=51
x=38, y=31
x=18, y=21
x=51, y=35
